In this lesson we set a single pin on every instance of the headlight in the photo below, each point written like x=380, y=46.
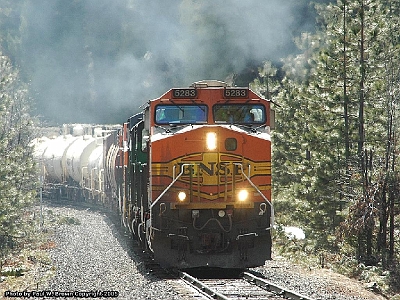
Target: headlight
x=211, y=140
x=243, y=195
x=181, y=196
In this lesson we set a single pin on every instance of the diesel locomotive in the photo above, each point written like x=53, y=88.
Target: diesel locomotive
x=190, y=175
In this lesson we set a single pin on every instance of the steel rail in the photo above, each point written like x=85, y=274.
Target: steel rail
x=252, y=279
x=201, y=287
x=271, y=287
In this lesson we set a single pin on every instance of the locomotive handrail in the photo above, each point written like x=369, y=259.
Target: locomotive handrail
x=251, y=234
x=258, y=190
x=171, y=184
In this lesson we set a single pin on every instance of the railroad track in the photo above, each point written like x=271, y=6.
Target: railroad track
x=247, y=286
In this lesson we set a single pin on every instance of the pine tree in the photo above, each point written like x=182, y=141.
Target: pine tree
x=374, y=24
x=338, y=102
x=17, y=168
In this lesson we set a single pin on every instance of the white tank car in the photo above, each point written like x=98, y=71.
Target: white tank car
x=54, y=158
x=77, y=158
x=39, y=146
x=95, y=170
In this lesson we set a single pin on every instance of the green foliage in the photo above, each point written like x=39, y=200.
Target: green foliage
x=10, y=22
x=335, y=157
x=17, y=168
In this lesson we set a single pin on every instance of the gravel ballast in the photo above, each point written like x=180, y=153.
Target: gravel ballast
x=91, y=255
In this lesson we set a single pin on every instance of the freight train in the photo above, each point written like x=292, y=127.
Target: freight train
x=190, y=175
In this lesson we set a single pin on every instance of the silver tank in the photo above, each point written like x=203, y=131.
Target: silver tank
x=77, y=157
x=95, y=169
x=54, y=157
x=39, y=146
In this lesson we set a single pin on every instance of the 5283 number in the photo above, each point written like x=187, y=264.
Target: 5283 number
x=184, y=93
x=235, y=93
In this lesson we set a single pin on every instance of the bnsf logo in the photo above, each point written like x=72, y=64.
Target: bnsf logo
x=210, y=169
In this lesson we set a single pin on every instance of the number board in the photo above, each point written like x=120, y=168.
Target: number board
x=184, y=93
x=236, y=93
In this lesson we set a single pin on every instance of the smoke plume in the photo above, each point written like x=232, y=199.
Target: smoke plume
x=98, y=61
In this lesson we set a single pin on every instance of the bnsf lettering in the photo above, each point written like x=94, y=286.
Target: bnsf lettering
x=211, y=169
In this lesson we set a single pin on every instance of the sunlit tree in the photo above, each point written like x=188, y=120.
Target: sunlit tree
x=334, y=143
x=17, y=169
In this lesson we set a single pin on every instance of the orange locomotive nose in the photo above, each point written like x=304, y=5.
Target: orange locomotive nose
x=222, y=176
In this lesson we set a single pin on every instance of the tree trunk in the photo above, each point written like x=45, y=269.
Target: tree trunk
x=345, y=97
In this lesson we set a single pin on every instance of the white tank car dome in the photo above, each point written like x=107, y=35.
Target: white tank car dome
x=98, y=132
x=78, y=130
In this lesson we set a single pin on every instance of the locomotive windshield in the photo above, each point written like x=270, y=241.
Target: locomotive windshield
x=181, y=114
x=239, y=113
